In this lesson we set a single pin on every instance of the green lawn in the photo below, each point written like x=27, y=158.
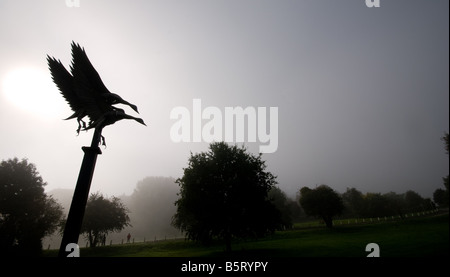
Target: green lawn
x=413, y=237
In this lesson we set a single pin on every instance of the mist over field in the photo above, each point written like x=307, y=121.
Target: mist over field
x=151, y=207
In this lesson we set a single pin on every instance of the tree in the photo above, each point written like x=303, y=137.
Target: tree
x=414, y=202
x=376, y=204
x=223, y=194
x=102, y=216
x=322, y=202
x=446, y=142
x=445, y=179
x=353, y=201
x=440, y=196
x=27, y=214
x=284, y=205
x=391, y=204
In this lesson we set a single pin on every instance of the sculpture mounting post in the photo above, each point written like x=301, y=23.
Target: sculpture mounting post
x=81, y=194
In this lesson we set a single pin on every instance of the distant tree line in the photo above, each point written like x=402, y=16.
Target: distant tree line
x=326, y=204
x=371, y=204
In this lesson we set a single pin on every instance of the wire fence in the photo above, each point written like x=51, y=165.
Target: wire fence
x=83, y=243
x=142, y=240
x=368, y=220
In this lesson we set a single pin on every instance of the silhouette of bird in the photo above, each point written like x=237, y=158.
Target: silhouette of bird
x=112, y=117
x=86, y=94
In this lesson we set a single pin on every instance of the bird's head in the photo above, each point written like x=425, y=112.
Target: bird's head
x=140, y=120
x=134, y=107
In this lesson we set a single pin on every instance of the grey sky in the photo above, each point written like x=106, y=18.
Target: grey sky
x=362, y=93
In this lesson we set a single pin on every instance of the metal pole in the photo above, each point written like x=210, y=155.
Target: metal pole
x=81, y=194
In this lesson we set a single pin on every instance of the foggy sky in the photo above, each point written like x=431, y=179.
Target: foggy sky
x=362, y=93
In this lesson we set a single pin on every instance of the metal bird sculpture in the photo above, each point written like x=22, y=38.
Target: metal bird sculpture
x=86, y=94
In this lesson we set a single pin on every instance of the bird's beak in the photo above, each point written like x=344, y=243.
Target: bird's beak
x=135, y=109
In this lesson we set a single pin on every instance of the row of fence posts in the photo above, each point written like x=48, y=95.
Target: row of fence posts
x=145, y=240
x=132, y=241
x=385, y=218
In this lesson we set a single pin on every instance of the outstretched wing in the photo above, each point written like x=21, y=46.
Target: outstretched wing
x=64, y=81
x=88, y=85
x=82, y=65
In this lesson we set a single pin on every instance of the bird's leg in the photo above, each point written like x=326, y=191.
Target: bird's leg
x=103, y=141
x=79, y=128
x=86, y=128
x=80, y=121
x=84, y=123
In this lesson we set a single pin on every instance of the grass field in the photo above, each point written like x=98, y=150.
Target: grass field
x=413, y=237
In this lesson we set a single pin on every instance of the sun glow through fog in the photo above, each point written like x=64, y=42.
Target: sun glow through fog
x=31, y=89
